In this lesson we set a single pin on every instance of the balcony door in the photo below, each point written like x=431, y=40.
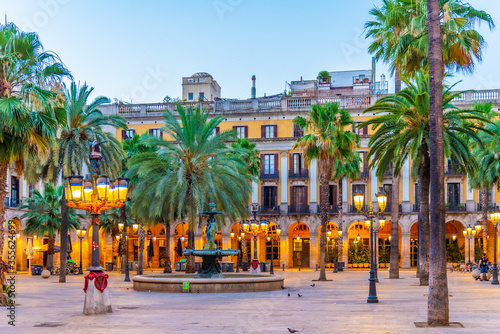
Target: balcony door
x=299, y=197
x=333, y=195
x=454, y=194
x=14, y=190
x=269, y=197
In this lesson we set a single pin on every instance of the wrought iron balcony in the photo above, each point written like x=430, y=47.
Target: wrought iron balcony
x=454, y=207
x=416, y=208
x=273, y=176
x=451, y=172
x=12, y=202
x=491, y=206
x=298, y=208
x=298, y=174
x=265, y=209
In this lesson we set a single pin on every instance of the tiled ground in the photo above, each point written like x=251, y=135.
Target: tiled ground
x=337, y=306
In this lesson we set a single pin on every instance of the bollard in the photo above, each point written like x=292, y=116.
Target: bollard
x=316, y=267
x=283, y=267
x=299, y=267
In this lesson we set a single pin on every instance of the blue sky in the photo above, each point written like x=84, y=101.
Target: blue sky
x=140, y=50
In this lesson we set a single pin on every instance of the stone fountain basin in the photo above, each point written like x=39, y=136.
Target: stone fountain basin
x=231, y=283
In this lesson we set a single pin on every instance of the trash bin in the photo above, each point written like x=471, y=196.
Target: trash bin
x=34, y=270
x=109, y=266
x=230, y=267
x=177, y=266
x=39, y=269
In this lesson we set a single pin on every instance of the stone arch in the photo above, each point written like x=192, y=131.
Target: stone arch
x=299, y=240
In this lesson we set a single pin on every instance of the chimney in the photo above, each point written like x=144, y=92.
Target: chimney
x=253, y=91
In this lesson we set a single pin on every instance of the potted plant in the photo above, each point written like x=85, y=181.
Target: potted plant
x=324, y=77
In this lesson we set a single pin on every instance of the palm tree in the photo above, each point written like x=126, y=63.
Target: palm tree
x=197, y=168
x=44, y=216
x=403, y=131
x=133, y=146
x=249, y=154
x=29, y=115
x=332, y=146
x=83, y=123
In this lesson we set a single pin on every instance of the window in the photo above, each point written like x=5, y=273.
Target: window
x=454, y=194
x=31, y=187
x=297, y=163
x=361, y=156
x=155, y=133
x=241, y=131
x=333, y=195
x=359, y=131
x=299, y=198
x=388, y=190
x=128, y=134
x=297, y=131
x=276, y=249
x=190, y=96
x=202, y=96
x=489, y=196
x=269, y=197
x=269, y=164
x=269, y=131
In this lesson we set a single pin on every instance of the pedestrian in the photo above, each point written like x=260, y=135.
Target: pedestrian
x=483, y=264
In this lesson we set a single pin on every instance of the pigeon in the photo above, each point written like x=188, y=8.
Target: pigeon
x=299, y=295
x=288, y=295
x=283, y=287
x=313, y=285
x=291, y=330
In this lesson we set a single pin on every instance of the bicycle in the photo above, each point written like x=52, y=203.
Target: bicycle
x=71, y=268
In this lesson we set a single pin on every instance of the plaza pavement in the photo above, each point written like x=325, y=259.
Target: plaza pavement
x=337, y=306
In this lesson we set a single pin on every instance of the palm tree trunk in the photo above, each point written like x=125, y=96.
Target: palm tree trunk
x=340, y=220
x=244, y=253
x=324, y=200
x=190, y=267
x=168, y=263
x=394, y=267
x=438, y=313
x=3, y=195
x=484, y=205
x=423, y=219
x=50, y=252
x=142, y=235
x=63, y=255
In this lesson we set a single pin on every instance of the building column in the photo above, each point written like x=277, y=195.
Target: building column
x=226, y=244
x=172, y=247
x=313, y=187
x=314, y=251
x=109, y=247
x=406, y=205
x=255, y=193
x=470, y=205
x=345, y=251
x=284, y=250
x=405, y=251
x=345, y=205
x=374, y=188
x=284, y=182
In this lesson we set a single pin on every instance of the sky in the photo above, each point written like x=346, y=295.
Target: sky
x=138, y=51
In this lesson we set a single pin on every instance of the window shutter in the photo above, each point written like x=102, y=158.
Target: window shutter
x=262, y=131
x=150, y=132
x=217, y=129
x=276, y=169
x=246, y=131
x=234, y=127
x=262, y=163
x=275, y=131
x=161, y=134
x=123, y=134
x=365, y=162
x=292, y=197
x=262, y=196
x=290, y=163
x=275, y=196
x=354, y=128
x=306, y=203
x=365, y=130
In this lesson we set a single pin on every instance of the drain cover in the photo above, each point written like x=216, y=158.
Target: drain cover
x=50, y=324
x=128, y=307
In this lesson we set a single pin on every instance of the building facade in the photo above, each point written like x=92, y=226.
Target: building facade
x=287, y=193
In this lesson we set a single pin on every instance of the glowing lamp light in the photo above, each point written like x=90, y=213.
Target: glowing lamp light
x=102, y=185
x=254, y=225
x=120, y=226
x=358, y=199
x=34, y=236
x=263, y=225
x=381, y=199
x=278, y=230
x=117, y=237
x=88, y=191
x=154, y=238
x=121, y=185
x=474, y=233
x=381, y=222
x=328, y=238
x=112, y=195
x=454, y=237
x=232, y=234
x=464, y=232
x=242, y=234
x=495, y=217
x=246, y=226
x=329, y=232
x=358, y=237
x=268, y=238
x=478, y=226
x=135, y=226
x=368, y=223
x=74, y=186
x=340, y=233
x=390, y=237
x=18, y=235
x=298, y=237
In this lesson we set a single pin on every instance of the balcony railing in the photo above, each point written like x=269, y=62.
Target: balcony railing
x=388, y=173
x=298, y=174
x=454, y=207
x=298, y=208
x=451, y=172
x=415, y=208
x=331, y=208
x=273, y=176
x=263, y=209
x=12, y=202
x=352, y=209
x=491, y=207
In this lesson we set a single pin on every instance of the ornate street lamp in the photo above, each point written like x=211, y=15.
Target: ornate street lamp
x=272, y=237
x=495, y=218
x=95, y=195
x=81, y=234
x=122, y=228
x=255, y=228
x=358, y=198
x=338, y=242
x=469, y=233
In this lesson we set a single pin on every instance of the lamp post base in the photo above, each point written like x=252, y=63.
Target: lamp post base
x=97, y=299
x=255, y=267
x=494, y=281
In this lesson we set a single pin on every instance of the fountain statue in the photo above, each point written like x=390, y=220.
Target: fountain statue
x=210, y=254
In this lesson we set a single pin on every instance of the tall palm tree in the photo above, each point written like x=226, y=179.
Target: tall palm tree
x=197, y=168
x=83, y=123
x=332, y=146
x=44, y=217
x=403, y=131
x=249, y=154
x=29, y=113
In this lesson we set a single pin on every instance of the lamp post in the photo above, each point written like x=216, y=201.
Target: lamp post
x=255, y=228
x=81, y=234
x=271, y=237
x=95, y=195
x=124, y=232
x=370, y=215
x=495, y=218
x=233, y=235
x=469, y=233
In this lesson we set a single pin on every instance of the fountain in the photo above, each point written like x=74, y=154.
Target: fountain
x=209, y=278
